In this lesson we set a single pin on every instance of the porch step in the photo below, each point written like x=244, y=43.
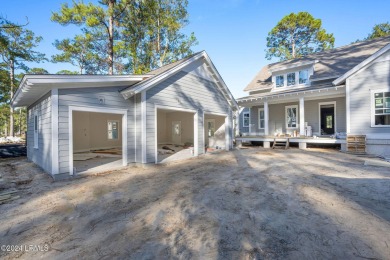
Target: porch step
x=281, y=143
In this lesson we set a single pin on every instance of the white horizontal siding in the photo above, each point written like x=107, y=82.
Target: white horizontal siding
x=277, y=116
x=186, y=91
x=376, y=76
x=42, y=155
x=90, y=97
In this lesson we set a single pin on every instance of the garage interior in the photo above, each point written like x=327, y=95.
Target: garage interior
x=214, y=132
x=175, y=135
x=97, y=141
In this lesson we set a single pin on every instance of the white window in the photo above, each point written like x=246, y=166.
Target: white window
x=112, y=130
x=245, y=119
x=291, y=79
x=303, y=76
x=210, y=127
x=36, y=130
x=279, y=81
x=291, y=117
x=382, y=109
x=261, y=118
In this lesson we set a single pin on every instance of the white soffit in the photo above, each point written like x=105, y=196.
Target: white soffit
x=33, y=87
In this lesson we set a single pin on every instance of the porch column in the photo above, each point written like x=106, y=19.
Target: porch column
x=302, y=116
x=266, y=118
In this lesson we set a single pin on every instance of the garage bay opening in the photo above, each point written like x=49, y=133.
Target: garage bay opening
x=214, y=132
x=175, y=135
x=97, y=141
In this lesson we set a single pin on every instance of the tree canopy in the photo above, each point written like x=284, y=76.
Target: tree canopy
x=78, y=52
x=379, y=30
x=297, y=35
x=19, y=48
x=125, y=36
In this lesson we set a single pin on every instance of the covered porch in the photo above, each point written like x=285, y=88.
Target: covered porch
x=302, y=115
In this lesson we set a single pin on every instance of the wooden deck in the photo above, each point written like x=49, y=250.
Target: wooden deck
x=312, y=140
x=302, y=141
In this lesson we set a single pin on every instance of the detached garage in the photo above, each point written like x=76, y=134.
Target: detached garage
x=177, y=111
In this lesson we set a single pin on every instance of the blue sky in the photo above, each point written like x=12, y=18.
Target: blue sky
x=233, y=32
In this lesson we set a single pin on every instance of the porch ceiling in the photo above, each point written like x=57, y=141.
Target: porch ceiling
x=277, y=98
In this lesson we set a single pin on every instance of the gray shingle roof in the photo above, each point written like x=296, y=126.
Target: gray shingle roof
x=162, y=69
x=331, y=63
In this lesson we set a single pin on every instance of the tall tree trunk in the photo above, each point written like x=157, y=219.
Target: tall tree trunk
x=158, y=34
x=11, y=112
x=111, y=4
x=20, y=122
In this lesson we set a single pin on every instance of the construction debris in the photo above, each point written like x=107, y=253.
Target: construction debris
x=11, y=140
x=8, y=196
x=379, y=163
x=167, y=148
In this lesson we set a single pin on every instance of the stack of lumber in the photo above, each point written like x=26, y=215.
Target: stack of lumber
x=7, y=196
x=356, y=144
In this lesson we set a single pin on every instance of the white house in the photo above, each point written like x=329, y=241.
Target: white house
x=342, y=90
x=185, y=104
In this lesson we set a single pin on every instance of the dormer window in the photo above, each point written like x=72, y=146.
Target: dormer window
x=279, y=81
x=291, y=79
x=303, y=76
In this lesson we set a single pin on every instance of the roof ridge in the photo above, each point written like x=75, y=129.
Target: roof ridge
x=172, y=64
x=314, y=54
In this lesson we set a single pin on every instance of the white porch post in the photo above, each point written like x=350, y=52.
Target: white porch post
x=266, y=118
x=302, y=116
x=250, y=121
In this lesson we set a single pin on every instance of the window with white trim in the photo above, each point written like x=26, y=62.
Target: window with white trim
x=36, y=130
x=245, y=119
x=291, y=79
x=303, y=76
x=112, y=130
x=279, y=81
x=382, y=108
x=261, y=118
x=291, y=117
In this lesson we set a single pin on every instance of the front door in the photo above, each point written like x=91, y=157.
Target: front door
x=176, y=132
x=327, y=120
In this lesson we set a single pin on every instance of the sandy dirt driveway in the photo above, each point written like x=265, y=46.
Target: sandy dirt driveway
x=250, y=203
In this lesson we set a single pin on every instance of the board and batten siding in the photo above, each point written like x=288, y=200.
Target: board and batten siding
x=183, y=90
x=89, y=97
x=41, y=155
x=374, y=77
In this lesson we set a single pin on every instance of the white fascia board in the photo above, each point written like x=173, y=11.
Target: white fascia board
x=83, y=79
x=361, y=65
x=294, y=65
x=220, y=82
x=320, y=92
x=66, y=81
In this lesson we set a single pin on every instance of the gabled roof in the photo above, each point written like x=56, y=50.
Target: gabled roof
x=366, y=62
x=329, y=64
x=33, y=87
x=166, y=71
